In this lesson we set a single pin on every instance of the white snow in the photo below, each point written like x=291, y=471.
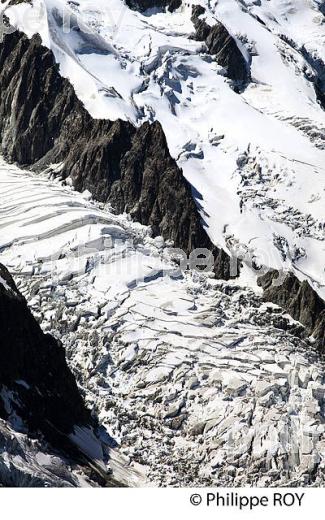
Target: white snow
x=257, y=159
x=153, y=350
x=136, y=337
x=31, y=463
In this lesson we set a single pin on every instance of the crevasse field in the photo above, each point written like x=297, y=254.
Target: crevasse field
x=256, y=160
x=152, y=348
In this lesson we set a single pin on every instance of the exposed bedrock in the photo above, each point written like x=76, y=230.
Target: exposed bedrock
x=314, y=72
x=43, y=122
x=299, y=300
x=143, y=5
x=318, y=78
x=322, y=7
x=36, y=384
x=221, y=45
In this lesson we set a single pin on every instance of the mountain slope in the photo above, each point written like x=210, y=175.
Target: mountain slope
x=121, y=165
x=48, y=396
x=38, y=397
x=130, y=168
x=197, y=380
x=255, y=158
x=47, y=434
x=205, y=122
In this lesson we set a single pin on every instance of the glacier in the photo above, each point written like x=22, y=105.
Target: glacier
x=255, y=159
x=199, y=381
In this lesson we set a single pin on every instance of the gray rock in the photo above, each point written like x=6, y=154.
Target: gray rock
x=42, y=122
x=299, y=300
x=221, y=45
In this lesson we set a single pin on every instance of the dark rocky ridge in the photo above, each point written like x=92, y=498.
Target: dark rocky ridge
x=299, y=300
x=143, y=5
x=318, y=66
x=42, y=122
x=221, y=45
x=33, y=367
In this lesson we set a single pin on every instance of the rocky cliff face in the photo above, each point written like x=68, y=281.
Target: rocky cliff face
x=142, y=5
x=221, y=45
x=37, y=389
x=43, y=122
x=299, y=300
x=164, y=361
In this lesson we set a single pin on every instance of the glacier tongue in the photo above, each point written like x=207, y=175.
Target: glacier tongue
x=197, y=380
x=256, y=159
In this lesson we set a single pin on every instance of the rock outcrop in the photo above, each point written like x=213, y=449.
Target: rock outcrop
x=299, y=300
x=221, y=45
x=43, y=122
x=37, y=389
x=143, y=5
x=171, y=366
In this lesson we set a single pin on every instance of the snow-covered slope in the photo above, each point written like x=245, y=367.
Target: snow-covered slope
x=256, y=158
x=197, y=380
x=26, y=462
